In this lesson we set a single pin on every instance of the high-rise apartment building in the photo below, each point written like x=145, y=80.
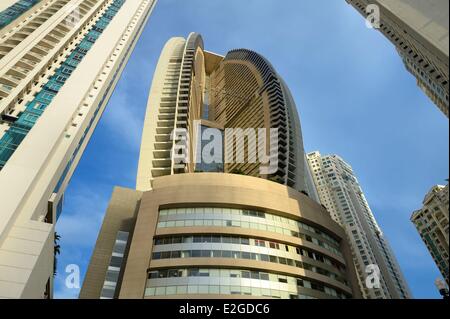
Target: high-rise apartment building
x=341, y=194
x=202, y=228
x=419, y=31
x=200, y=90
x=59, y=63
x=431, y=222
x=12, y=9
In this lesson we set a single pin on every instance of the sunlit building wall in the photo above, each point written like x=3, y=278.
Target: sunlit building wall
x=419, y=31
x=199, y=229
x=59, y=63
x=341, y=194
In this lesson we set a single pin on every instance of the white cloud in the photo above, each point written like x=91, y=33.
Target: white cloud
x=122, y=119
x=82, y=216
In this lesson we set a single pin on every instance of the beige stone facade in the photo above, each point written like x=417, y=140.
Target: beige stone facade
x=329, y=274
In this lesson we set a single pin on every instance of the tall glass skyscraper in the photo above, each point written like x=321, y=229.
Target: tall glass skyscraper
x=204, y=224
x=59, y=63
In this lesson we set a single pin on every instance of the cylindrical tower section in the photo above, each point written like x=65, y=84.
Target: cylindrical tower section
x=215, y=235
x=156, y=145
x=249, y=93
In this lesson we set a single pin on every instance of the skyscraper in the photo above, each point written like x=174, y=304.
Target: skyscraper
x=205, y=224
x=341, y=194
x=214, y=92
x=419, y=31
x=59, y=63
x=431, y=222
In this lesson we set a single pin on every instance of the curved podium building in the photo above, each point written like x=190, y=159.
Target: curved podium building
x=221, y=228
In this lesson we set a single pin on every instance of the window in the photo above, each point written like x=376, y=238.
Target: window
x=227, y=240
x=317, y=286
x=174, y=273
x=165, y=255
x=264, y=276
x=176, y=254
x=226, y=254
x=235, y=240
x=206, y=253
x=153, y=275
x=193, y=272
x=245, y=255
x=206, y=239
x=156, y=256
x=245, y=241
x=260, y=243
x=274, y=245
x=216, y=239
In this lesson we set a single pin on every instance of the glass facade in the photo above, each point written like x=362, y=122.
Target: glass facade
x=216, y=246
x=16, y=10
x=210, y=165
x=18, y=130
x=115, y=265
x=234, y=282
x=244, y=218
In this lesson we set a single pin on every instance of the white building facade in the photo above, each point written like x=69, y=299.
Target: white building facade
x=59, y=63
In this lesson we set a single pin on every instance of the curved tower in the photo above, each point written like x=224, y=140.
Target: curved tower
x=202, y=228
x=237, y=94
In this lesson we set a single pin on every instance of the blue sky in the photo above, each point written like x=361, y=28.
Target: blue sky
x=354, y=96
